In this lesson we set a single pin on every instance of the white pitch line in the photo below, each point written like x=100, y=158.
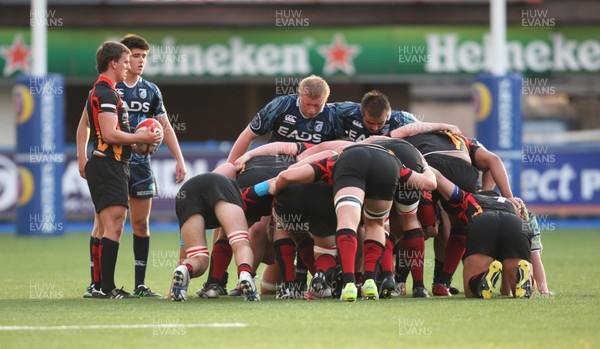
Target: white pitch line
x=117, y=327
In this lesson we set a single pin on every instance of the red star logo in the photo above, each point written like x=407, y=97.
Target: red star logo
x=339, y=56
x=16, y=56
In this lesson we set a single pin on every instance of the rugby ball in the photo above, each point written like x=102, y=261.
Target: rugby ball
x=156, y=127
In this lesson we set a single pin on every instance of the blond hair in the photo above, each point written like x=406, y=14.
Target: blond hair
x=314, y=87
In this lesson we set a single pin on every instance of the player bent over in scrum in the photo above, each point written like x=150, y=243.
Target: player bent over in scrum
x=361, y=173
x=208, y=201
x=300, y=209
x=403, y=220
x=497, y=238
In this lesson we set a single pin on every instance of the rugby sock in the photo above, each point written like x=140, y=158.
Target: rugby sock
x=454, y=251
x=190, y=268
x=437, y=271
x=108, y=260
x=402, y=268
x=141, y=246
x=306, y=254
x=220, y=258
x=245, y=268
x=414, y=253
x=96, y=252
x=387, y=261
x=92, y=239
x=358, y=277
x=347, y=244
x=325, y=263
x=301, y=270
x=426, y=210
x=373, y=254
x=285, y=252
x=474, y=282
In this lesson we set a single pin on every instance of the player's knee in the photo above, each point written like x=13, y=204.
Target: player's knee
x=117, y=231
x=140, y=227
x=197, y=256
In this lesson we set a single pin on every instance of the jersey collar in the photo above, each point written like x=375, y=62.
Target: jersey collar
x=300, y=109
x=136, y=82
x=106, y=80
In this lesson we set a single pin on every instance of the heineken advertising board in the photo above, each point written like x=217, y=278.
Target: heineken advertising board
x=368, y=52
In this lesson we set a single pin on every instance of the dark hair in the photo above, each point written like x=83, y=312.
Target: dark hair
x=135, y=41
x=107, y=52
x=376, y=104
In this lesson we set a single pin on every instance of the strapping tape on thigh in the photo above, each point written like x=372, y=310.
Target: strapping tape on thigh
x=348, y=200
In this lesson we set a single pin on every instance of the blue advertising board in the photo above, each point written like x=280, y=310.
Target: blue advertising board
x=561, y=180
x=498, y=111
x=40, y=154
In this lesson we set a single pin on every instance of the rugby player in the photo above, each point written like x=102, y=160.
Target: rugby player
x=497, y=240
x=361, y=173
x=107, y=172
x=143, y=100
x=208, y=201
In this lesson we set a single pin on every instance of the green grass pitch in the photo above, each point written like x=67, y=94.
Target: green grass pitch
x=43, y=280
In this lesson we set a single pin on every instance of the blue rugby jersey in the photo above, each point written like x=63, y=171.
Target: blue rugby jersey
x=283, y=119
x=143, y=101
x=352, y=120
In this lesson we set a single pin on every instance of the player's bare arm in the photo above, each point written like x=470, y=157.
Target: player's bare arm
x=82, y=138
x=241, y=145
x=274, y=148
x=170, y=140
x=423, y=127
x=488, y=161
x=302, y=174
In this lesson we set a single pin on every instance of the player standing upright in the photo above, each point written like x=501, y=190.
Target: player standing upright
x=144, y=100
x=107, y=171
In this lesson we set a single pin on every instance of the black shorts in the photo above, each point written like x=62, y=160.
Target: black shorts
x=256, y=170
x=141, y=182
x=406, y=198
x=306, y=208
x=500, y=235
x=456, y=170
x=108, y=181
x=373, y=170
x=200, y=194
x=404, y=151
